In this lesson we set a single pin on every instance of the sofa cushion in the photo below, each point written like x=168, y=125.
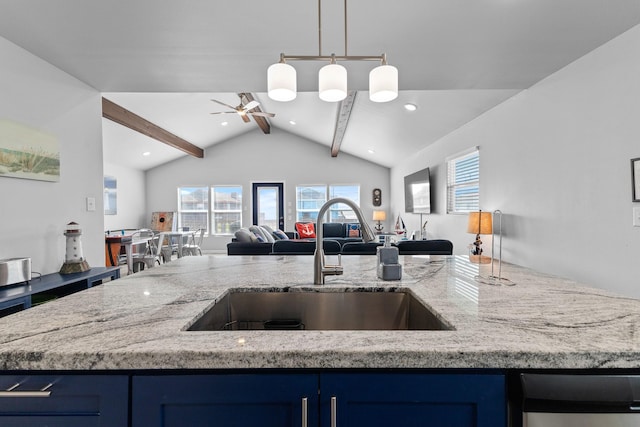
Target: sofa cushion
x=352, y=230
x=267, y=233
x=259, y=233
x=332, y=229
x=244, y=235
x=280, y=235
x=306, y=230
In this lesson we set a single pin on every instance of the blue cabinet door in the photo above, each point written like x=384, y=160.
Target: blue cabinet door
x=68, y=400
x=413, y=400
x=229, y=400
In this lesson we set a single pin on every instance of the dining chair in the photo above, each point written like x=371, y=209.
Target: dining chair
x=193, y=243
x=152, y=252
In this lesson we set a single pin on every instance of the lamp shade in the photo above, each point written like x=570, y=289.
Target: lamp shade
x=480, y=223
x=379, y=215
x=332, y=83
x=383, y=83
x=281, y=82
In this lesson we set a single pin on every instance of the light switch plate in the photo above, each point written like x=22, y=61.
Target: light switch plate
x=636, y=217
x=91, y=204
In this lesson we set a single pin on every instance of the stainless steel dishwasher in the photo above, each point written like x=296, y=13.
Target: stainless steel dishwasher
x=552, y=400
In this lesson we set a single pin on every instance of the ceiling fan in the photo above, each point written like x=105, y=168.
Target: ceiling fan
x=247, y=107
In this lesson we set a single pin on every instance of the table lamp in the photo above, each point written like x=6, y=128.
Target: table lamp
x=479, y=223
x=379, y=216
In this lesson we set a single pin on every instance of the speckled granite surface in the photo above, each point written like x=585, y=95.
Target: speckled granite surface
x=138, y=322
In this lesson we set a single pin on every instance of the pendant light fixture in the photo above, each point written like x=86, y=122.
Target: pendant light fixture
x=332, y=78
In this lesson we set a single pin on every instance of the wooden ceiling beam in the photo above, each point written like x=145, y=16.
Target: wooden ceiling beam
x=120, y=115
x=262, y=122
x=342, y=121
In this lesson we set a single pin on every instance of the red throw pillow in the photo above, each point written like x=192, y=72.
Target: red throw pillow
x=306, y=230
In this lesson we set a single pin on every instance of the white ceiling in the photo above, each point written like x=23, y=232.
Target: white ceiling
x=165, y=60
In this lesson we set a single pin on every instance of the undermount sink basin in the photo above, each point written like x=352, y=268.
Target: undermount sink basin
x=318, y=310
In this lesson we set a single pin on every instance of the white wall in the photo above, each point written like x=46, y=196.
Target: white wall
x=34, y=213
x=255, y=157
x=555, y=159
x=131, y=207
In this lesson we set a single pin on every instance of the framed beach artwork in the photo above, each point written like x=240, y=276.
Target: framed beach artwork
x=635, y=179
x=110, y=195
x=28, y=153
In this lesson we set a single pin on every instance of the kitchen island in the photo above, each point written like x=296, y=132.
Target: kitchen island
x=136, y=327
x=139, y=322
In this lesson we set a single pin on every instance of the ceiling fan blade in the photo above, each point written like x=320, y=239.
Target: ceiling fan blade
x=224, y=112
x=251, y=105
x=262, y=114
x=222, y=103
x=245, y=118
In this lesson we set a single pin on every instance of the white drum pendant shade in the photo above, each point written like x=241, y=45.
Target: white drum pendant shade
x=383, y=83
x=281, y=82
x=332, y=83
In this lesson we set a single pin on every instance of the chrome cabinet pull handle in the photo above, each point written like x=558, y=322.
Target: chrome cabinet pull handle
x=304, y=412
x=334, y=407
x=12, y=392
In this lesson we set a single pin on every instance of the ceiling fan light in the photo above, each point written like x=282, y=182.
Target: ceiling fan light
x=281, y=82
x=332, y=83
x=383, y=83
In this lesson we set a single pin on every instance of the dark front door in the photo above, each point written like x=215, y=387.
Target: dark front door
x=268, y=204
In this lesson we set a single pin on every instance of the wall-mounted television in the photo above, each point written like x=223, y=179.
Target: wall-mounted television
x=417, y=192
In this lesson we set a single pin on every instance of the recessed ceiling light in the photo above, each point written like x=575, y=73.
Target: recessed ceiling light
x=371, y=151
x=410, y=107
x=146, y=153
x=224, y=123
x=292, y=122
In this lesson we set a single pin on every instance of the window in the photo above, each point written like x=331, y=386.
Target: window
x=309, y=200
x=226, y=209
x=463, y=182
x=193, y=207
x=341, y=212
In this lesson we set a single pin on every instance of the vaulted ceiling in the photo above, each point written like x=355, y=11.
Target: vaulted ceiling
x=165, y=60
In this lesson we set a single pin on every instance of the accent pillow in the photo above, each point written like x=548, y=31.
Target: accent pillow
x=280, y=235
x=267, y=233
x=353, y=230
x=244, y=235
x=259, y=232
x=306, y=230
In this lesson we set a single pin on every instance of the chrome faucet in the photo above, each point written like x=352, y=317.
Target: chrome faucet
x=320, y=269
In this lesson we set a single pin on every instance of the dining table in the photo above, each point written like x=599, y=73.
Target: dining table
x=180, y=238
x=115, y=241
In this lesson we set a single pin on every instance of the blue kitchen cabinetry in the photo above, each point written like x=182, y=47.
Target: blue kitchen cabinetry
x=351, y=399
x=413, y=399
x=64, y=400
x=229, y=400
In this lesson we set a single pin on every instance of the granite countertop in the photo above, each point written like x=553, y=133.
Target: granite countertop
x=139, y=321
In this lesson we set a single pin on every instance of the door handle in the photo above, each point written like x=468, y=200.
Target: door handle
x=304, y=412
x=12, y=392
x=334, y=410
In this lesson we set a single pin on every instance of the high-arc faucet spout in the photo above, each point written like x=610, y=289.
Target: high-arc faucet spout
x=320, y=270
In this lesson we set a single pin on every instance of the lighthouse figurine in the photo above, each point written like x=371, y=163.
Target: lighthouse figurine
x=74, y=261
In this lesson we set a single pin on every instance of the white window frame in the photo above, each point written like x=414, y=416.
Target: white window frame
x=463, y=174
x=213, y=211
x=298, y=210
x=327, y=195
x=205, y=209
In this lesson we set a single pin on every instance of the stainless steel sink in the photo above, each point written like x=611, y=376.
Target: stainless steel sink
x=318, y=310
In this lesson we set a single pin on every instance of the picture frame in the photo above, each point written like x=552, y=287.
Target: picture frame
x=635, y=179
x=110, y=195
